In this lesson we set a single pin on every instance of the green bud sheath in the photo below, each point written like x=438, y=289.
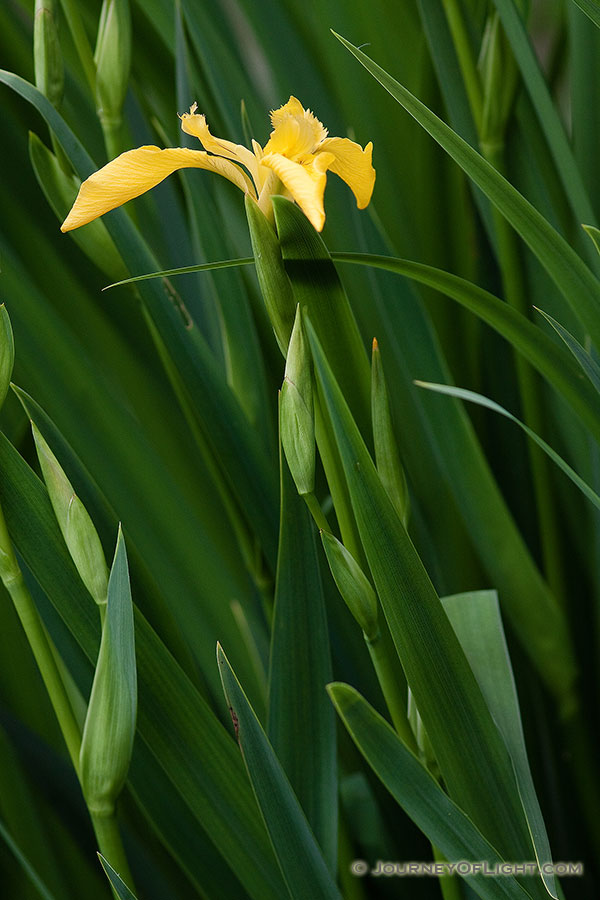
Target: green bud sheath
x=47, y=56
x=387, y=457
x=74, y=521
x=113, y=58
x=7, y=352
x=274, y=283
x=353, y=584
x=8, y=564
x=60, y=189
x=111, y=719
x=297, y=411
x=499, y=75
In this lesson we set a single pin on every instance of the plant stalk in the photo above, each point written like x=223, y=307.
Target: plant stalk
x=388, y=669
x=466, y=59
x=515, y=294
x=80, y=39
x=39, y=642
x=110, y=844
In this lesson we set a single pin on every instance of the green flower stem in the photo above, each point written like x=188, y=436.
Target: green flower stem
x=316, y=512
x=337, y=484
x=466, y=58
x=110, y=845
x=392, y=682
x=449, y=885
x=112, y=129
x=516, y=295
x=39, y=642
x=352, y=887
x=80, y=39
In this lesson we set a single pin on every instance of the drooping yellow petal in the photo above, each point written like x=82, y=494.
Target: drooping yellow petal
x=135, y=172
x=306, y=182
x=296, y=131
x=195, y=124
x=353, y=165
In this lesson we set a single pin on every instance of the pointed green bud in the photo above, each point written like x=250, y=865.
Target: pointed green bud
x=499, y=76
x=296, y=417
x=113, y=59
x=425, y=749
x=109, y=729
x=7, y=352
x=353, y=585
x=47, y=56
x=9, y=568
x=274, y=283
x=74, y=521
x=387, y=456
x=60, y=189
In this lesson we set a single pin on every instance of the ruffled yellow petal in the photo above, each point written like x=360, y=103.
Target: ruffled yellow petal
x=296, y=131
x=195, y=124
x=353, y=165
x=306, y=183
x=135, y=172
x=292, y=108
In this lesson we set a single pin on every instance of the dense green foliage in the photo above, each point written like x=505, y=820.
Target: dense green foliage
x=235, y=665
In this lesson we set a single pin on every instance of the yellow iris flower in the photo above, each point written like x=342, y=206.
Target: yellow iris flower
x=294, y=162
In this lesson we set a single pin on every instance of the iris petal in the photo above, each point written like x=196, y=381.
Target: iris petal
x=292, y=108
x=305, y=182
x=195, y=124
x=135, y=172
x=296, y=131
x=353, y=165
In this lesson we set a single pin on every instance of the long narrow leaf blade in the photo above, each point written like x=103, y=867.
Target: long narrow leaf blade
x=194, y=753
x=475, y=617
x=591, y=9
x=303, y=867
x=301, y=723
x=25, y=864
x=117, y=883
x=573, y=278
x=471, y=396
x=546, y=111
x=536, y=346
x=436, y=669
x=444, y=823
x=587, y=362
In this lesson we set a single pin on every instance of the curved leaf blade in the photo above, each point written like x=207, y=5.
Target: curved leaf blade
x=301, y=722
x=436, y=669
x=475, y=617
x=480, y=400
x=417, y=792
x=574, y=279
x=591, y=9
x=177, y=727
x=118, y=885
x=301, y=862
x=587, y=362
x=536, y=346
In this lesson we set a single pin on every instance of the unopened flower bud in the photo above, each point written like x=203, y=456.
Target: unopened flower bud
x=296, y=411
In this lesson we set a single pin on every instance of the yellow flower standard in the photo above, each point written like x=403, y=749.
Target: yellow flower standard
x=294, y=162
